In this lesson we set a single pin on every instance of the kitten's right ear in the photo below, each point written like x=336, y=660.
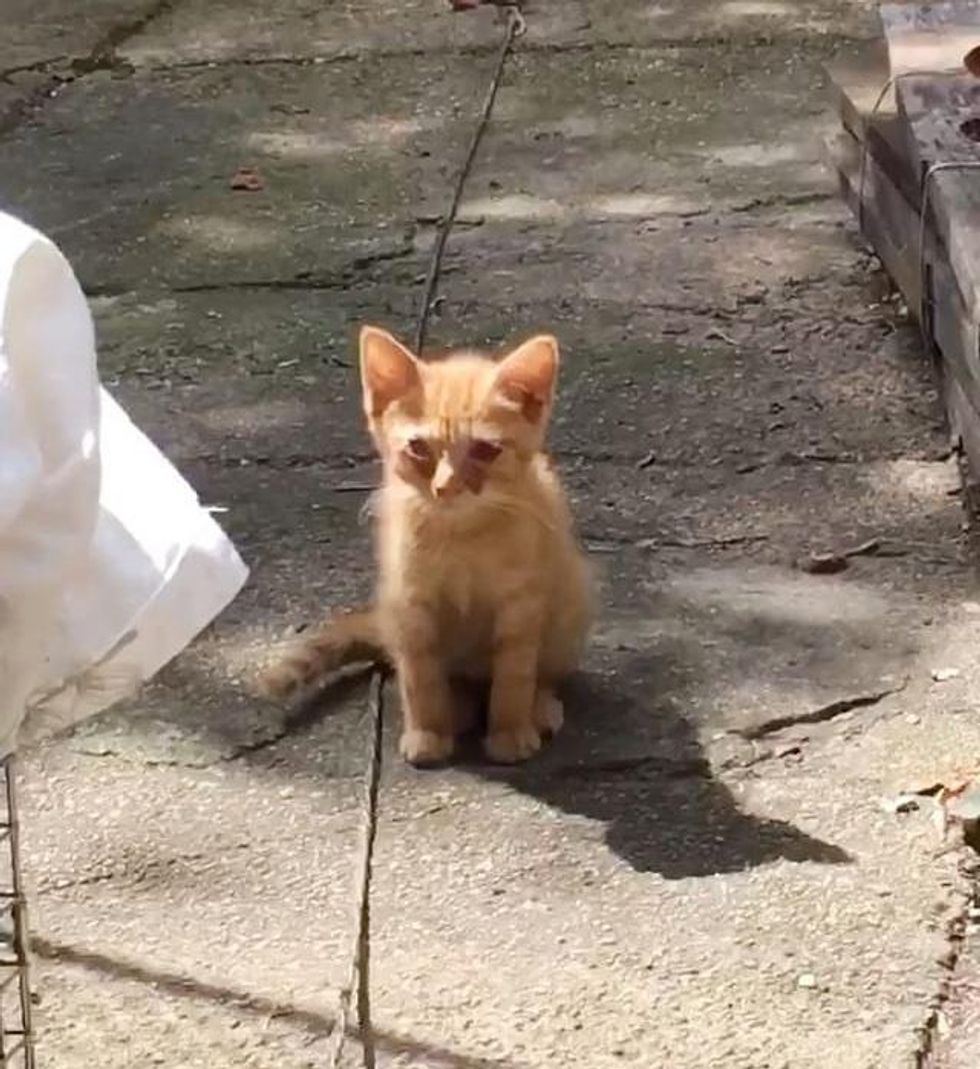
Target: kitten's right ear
x=388, y=370
x=526, y=377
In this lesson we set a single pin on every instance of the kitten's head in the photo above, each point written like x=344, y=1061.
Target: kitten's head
x=453, y=427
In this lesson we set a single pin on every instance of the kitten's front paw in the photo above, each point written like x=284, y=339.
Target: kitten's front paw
x=549, y=713
x=425, y=748
x=513, y=745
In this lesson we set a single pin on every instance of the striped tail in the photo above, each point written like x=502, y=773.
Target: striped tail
x=351, y=638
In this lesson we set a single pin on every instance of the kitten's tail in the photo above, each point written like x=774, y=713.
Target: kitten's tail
x=350, y=638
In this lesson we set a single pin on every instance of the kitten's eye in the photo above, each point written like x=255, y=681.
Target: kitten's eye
x=483, y=451
x=418, y=449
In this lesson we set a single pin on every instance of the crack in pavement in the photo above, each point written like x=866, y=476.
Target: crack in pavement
x=935, y=1022
x=36, y=65
x=613, y=543
x=342, y=460
x=303, y=712
x=102, y=56
x=354, y=273
x=788, y=200
x=308, y=708
x=829, y=45
x=821, y=714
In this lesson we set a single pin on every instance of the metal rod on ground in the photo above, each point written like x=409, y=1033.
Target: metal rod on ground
x=515, y=26
x=360, y=966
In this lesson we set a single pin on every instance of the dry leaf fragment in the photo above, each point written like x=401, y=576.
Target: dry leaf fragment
x=871, y=548
x=247, y=179
x=832, y=563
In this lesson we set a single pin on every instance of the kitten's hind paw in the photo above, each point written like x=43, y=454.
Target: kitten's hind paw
x=513, y=744
x=426, y=748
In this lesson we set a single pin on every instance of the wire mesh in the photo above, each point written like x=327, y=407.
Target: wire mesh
x=16, y=1025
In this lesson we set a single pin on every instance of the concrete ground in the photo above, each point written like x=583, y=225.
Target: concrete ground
x=700, y=871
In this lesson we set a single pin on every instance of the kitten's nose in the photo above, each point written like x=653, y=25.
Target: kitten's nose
x=444, y=482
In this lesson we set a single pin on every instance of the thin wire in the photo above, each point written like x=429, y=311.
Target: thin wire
x=359, y=974
x=515, y=27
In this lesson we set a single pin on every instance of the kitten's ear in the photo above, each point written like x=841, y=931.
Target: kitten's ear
x=388, y=370
x=526, y=377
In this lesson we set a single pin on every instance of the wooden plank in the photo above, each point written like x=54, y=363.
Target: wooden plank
x=930, y=37
x=964, y=429
x=891, y=225
x=938, y=110
x=858, y=83
x=888, y=172
x=955, y=336
x=927, y=119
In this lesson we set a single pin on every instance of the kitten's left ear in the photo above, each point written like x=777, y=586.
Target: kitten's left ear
x=388, y=370
x=526, y=377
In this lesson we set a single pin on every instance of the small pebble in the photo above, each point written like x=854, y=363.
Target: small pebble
x=807, y=980
x=941, y=675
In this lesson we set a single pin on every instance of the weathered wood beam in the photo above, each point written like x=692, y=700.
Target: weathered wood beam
x=881, y=156
x=889, y=221
x=891, y=225
x=941, y=114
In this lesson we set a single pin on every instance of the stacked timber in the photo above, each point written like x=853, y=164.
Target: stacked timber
x=908, y=160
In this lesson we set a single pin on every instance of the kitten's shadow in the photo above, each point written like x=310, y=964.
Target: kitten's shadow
x=629, y=759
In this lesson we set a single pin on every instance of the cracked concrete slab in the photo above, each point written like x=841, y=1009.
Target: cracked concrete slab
x=700, y=871
x=198, y=32
x=348, y=174
x=619, y=141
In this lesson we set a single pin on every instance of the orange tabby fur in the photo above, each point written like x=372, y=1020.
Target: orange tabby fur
x=481, y=577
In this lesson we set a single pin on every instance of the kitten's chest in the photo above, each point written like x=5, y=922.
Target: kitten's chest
x=466, y=571
x=462, y=586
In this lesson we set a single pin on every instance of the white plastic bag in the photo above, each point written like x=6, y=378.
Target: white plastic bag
x=109, y=566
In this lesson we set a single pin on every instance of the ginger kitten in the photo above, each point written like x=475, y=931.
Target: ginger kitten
x=481, y=578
